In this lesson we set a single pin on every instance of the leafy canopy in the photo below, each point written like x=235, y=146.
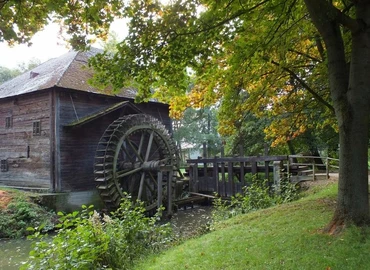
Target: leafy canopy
x=259, y=56
x=196, y=53
x=82, y=20
x=198, y=127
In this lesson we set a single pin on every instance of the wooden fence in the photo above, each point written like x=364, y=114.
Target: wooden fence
x=227, y=176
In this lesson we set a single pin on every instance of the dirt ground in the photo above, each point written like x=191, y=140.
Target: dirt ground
x=309, y=184
x=5, y=199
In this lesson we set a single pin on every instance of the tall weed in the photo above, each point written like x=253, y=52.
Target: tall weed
x=87, y=240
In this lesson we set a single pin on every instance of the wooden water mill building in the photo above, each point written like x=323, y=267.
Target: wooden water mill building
x=51, y=121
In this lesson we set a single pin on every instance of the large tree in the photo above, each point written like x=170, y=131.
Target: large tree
x=350, y=91
x=273, y=50
x=199, y=128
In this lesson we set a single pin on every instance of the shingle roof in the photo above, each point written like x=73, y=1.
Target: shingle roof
x=68, y=71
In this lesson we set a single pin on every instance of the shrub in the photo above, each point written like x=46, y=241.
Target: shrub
x=87, y=240
x=21, y=213
x=254, y=197
x=287, y=192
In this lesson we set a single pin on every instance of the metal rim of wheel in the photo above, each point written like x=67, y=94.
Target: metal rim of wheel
x=128, y=158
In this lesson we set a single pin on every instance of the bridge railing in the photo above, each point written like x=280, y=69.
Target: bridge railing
x=304, y=168
x=227, y=176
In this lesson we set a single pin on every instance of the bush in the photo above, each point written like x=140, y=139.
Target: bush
x=254, y=197
x=287, y=192
x=86, y=240
x=21, y=213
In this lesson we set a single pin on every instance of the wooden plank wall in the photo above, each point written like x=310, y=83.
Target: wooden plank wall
x=28, y=156
x=159, y=111
x=78, y=145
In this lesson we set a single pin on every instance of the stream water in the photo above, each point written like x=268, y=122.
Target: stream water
x=13, y=252
x=184, y=222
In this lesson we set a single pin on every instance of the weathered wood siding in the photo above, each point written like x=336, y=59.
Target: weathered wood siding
x=157, y=110
x=78, y=145
x=27, y=155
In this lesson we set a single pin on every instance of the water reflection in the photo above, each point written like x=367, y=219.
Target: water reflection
x=13, y=252
x=189, y=221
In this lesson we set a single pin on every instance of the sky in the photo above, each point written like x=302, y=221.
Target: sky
x=46, y=45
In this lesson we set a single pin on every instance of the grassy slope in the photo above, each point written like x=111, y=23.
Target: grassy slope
x=283, y=237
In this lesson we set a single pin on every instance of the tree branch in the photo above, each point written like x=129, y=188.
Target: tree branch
x=320, y=48
x=3, y=3
x=234, y=16
x=330, y=31
x=305, y=85
x=339, y=16
x=305, y=55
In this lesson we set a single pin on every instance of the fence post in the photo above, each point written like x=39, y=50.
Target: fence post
x=327, y=168
x=215, y=175
x=169, y=193
x=159, y=179
x=288, y=167
x=196, y=178
x=242, y=173
x=276, y=170
x=313, y=170
x=230, y=177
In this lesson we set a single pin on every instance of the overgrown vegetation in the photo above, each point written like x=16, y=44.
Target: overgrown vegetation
x=18, y=211
x=257, y=195
x=87, y=240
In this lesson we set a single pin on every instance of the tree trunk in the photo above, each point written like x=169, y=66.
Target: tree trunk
x=350, y=95
x=353, y=201
x=353, y=204
x=292, y=151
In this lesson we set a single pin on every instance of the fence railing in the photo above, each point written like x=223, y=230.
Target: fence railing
x=303, y=168
x=228, y=175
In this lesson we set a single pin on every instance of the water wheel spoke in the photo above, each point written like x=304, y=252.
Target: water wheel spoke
x=127, y=153
x=140, y=145
x=149, y=186
x=136, y=154
x=151, y=206
x=124, y=173
x=153, y=178
x=142, y=179
x=152, y=156
x=149, y=148
x=132, y=182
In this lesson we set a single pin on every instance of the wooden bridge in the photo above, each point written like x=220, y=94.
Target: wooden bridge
x=227, y=176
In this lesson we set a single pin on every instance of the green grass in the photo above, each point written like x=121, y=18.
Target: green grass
x=284, y=237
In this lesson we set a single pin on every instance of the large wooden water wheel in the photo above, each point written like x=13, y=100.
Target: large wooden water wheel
x=128, y=158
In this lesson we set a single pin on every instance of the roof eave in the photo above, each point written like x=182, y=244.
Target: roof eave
x=101, y=113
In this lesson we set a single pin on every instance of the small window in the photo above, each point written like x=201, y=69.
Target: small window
x=4, y=165
x=36, y=128
x=8, y=122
